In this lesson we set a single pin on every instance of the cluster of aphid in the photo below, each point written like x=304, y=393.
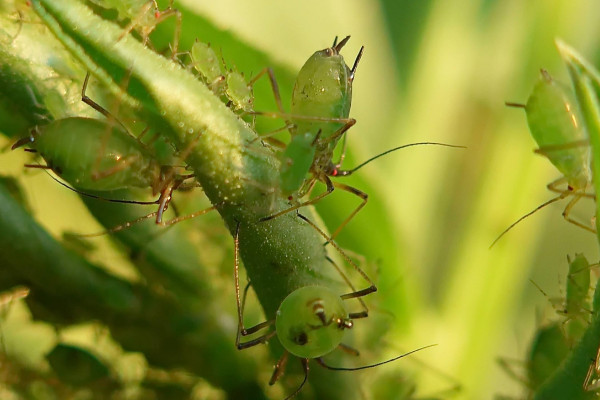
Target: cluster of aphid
x=557, y=340
x=103, y=156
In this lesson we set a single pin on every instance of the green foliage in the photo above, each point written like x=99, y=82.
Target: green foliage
x=431, y=71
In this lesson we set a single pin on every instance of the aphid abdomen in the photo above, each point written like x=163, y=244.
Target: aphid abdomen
x=554, y=122
x=322, y=89
x=239, y=92
x=90, y=155
x=206, y=62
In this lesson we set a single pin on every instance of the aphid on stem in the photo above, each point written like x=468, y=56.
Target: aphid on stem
x=319, y=117
x=102, y=156
x=310, y=321
x=143, y=16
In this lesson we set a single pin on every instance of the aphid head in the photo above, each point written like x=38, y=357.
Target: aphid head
x=324, y=84
x=311, y=321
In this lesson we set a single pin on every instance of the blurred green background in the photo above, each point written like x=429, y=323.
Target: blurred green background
x=432, y=71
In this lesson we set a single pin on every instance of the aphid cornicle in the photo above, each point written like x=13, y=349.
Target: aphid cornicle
x=555, y=125
x=311, y=320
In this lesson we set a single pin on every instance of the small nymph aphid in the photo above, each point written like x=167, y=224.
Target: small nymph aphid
x=311, y=320
x=229, y=84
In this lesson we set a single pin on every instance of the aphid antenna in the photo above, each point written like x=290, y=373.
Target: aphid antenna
x=353, y=170
x=153, y=214
x=92, y=195
x=552, y=200
x=329, y=367
x=538, y=287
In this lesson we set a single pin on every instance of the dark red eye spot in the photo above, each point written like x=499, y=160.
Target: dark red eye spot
x=335, y=172
x=157, y=14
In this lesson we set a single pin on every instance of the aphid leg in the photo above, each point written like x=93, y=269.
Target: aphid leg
x=316, y=199
x=151, y=215
x=329, y=367
x=276, y=96
x=95, y=105
x=348, y=350
x=271, y=140
x=19, y=28
x=279, y=367
x=356, y=192
x=554, y=186
x=305, y=367
x=566, y=212
x=361, y=314
x=177, y=33
x=590, y=383
x=274, y=86
x=343, y=153
x=135, y=22
x=355, y=293
x=122, y=164
x=555, y=199
x=240, y=305
x=159, y=16
x=337, y=134
x=546, y=150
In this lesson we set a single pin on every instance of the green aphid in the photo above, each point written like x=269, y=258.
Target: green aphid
x=319, y=118
x=239, y=92
x=311, y=320
x=555, y=124
x=91, y=155
x=96, y=155
x=208, y=65
x=230, y=84
x=143, y=16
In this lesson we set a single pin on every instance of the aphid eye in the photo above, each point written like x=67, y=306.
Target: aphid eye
x=301, y=338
